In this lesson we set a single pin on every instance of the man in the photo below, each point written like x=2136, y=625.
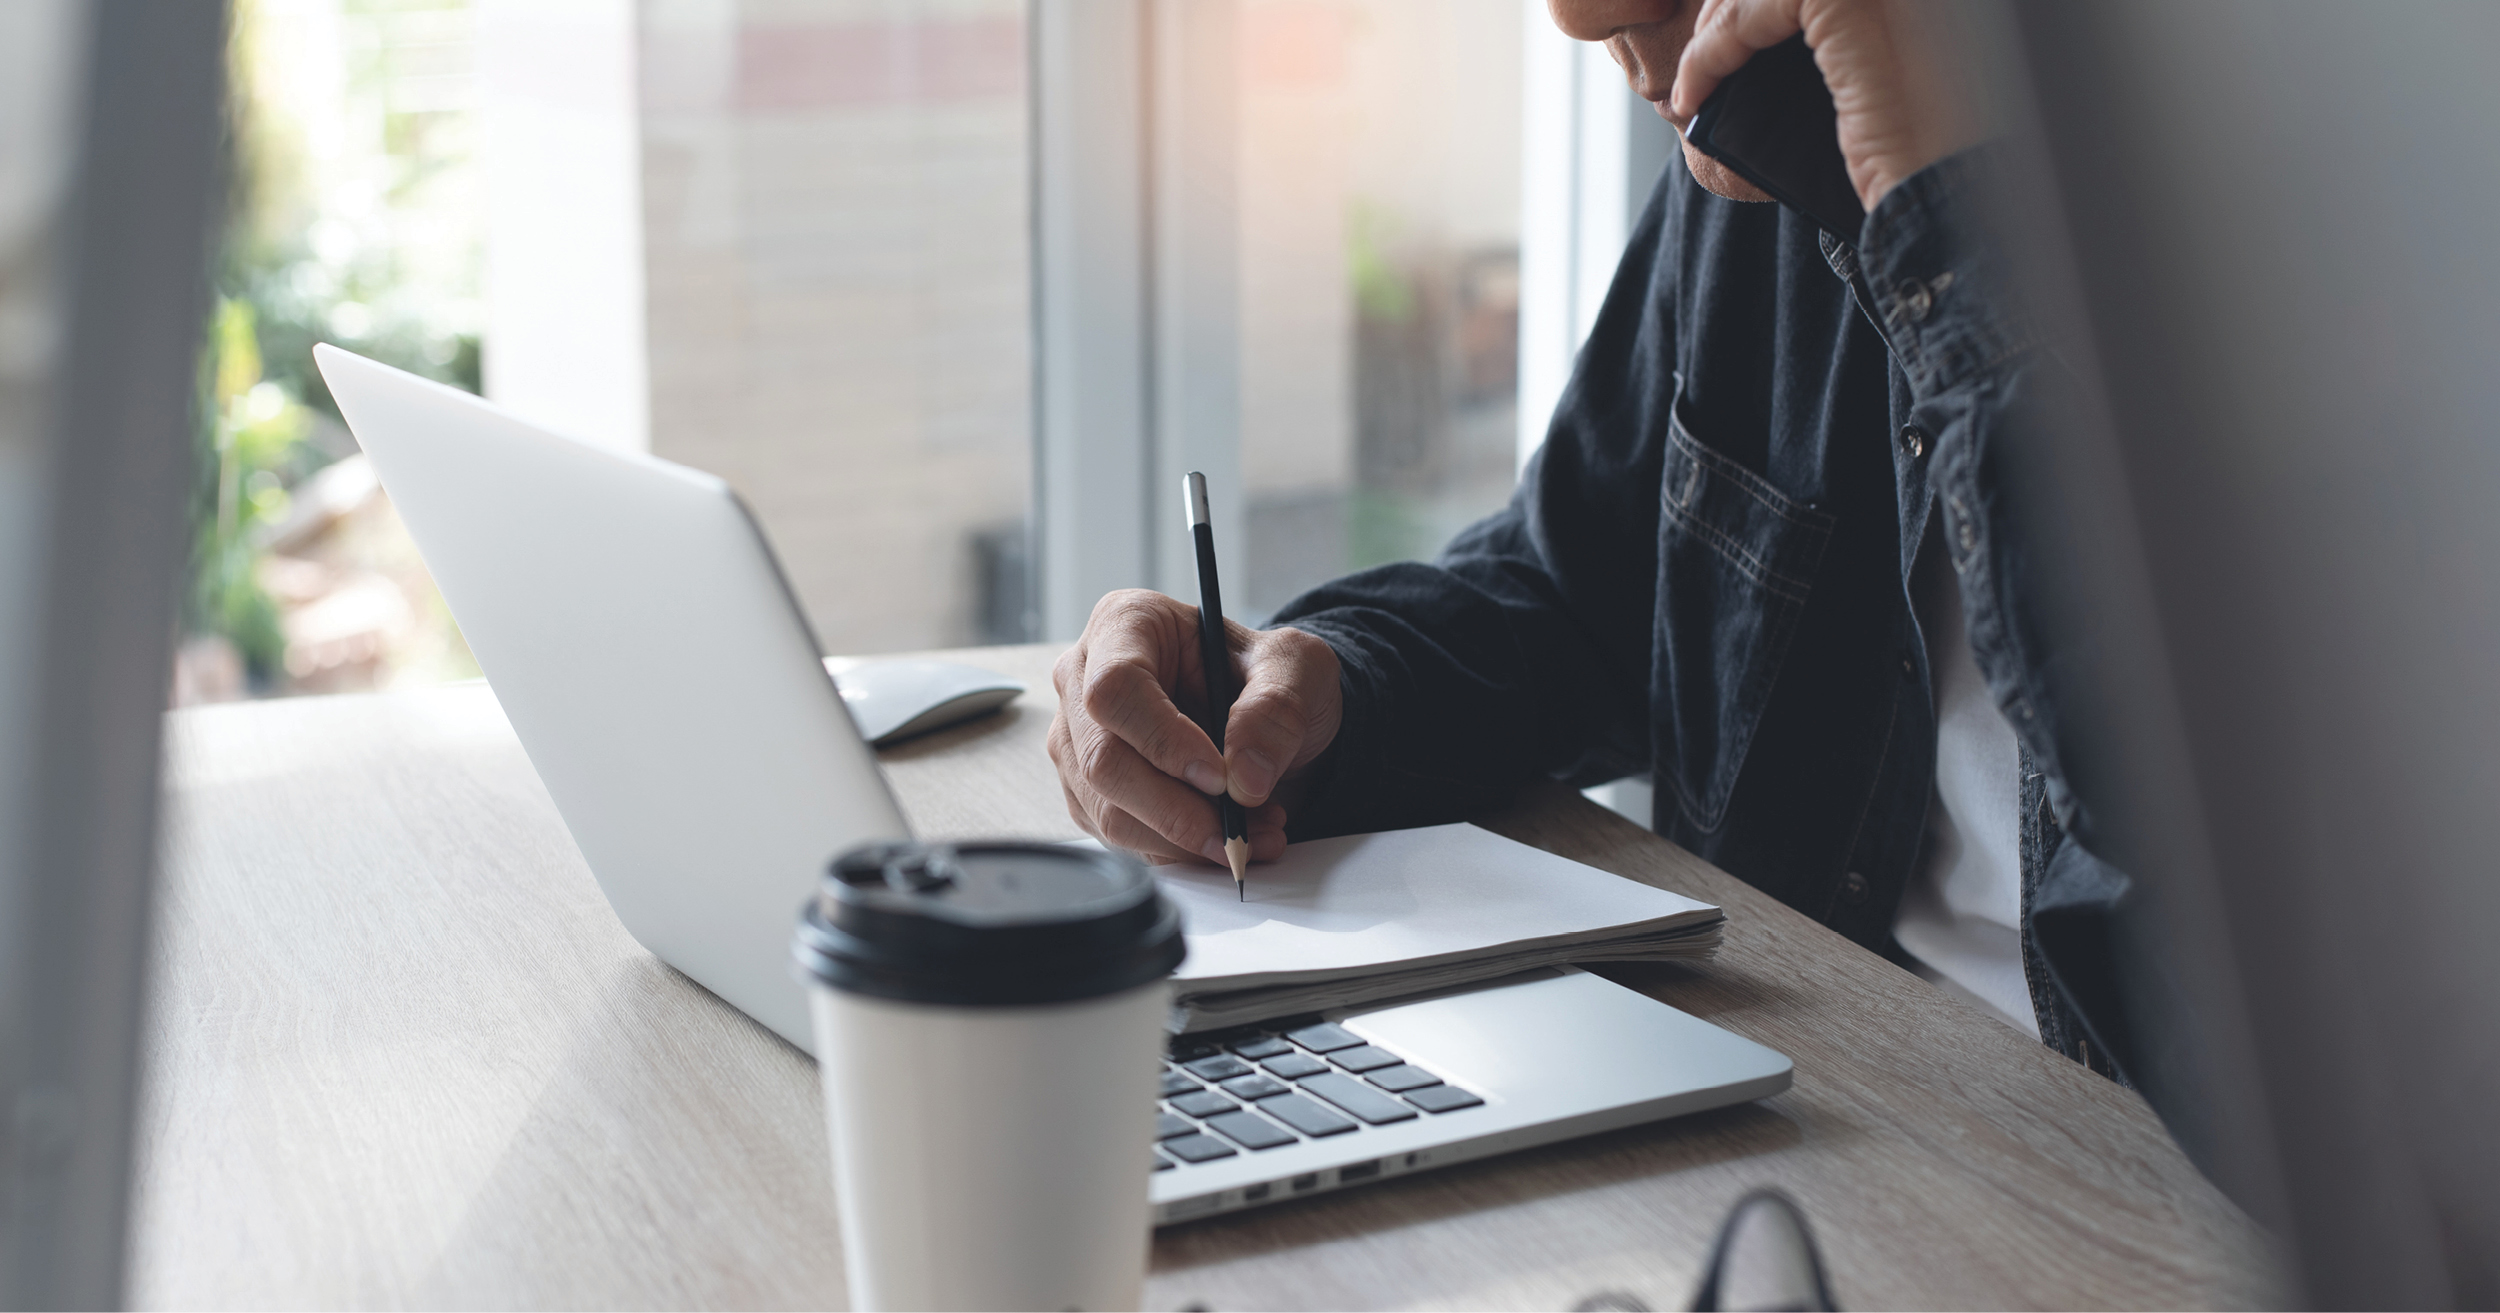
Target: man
x=1762, y=556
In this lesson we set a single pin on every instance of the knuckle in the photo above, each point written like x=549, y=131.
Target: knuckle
x=1301, y=653
x=1063, y=757
x=1281, y=706
x=1094, y=758
x=1091, y=761
x=1109, y=687
x=1121, y=606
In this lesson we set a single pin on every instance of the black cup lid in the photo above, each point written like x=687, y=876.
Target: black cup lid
x=987, y=924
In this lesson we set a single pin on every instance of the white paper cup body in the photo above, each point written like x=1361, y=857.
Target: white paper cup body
x=992, y=1157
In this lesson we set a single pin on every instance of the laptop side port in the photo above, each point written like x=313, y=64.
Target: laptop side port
x=1181, y=1209
x=1359, y=1171
x=1306, y=1181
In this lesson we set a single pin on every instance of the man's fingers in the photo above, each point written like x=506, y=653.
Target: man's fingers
x=1067, y=674
x=1123, y=781
x=1078, y=811
x=1267, y=833
x=1265, y=733
x=1286, y=713
x=1127, y=700
x=1137, y=773
x=1130, y=667
x=1116, y=826
x=1121, y=830
x=1063, y=760
x=1727, y=33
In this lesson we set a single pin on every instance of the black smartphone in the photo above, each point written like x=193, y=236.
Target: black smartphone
x=1772, y=123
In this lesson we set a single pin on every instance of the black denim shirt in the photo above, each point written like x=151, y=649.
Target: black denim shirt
x=1704, y=574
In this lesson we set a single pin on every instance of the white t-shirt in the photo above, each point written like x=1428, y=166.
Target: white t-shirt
x=1961, y=916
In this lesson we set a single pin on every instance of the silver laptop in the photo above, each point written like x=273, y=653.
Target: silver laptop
x=639, y=634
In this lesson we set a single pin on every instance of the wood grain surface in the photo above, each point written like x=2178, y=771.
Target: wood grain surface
x=403, y=1055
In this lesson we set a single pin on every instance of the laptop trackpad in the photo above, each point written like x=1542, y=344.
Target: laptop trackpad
x=1571, y=1040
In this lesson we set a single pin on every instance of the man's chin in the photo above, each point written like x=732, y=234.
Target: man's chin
x=1717, y=179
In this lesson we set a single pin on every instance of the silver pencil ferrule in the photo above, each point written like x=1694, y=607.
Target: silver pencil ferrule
x=1194, y=497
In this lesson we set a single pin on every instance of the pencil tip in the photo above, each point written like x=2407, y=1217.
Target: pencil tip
x=1237, y=856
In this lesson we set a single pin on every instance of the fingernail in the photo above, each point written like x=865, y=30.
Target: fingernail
x=1214, y=852
x=1203, y=777
x=1254, y=777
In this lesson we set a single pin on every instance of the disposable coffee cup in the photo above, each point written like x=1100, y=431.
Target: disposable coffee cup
x=990, y=1024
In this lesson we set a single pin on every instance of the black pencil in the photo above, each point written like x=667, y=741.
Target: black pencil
x=1216, y=656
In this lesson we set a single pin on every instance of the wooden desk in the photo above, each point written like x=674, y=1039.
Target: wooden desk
x=403, y=1054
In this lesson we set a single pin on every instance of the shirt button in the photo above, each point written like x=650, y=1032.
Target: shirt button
x=1907, y=668
x=1916, y=301
x=1853, y=888
x=1913, y=441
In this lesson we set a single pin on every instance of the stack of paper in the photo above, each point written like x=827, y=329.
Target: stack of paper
x=1354, y=920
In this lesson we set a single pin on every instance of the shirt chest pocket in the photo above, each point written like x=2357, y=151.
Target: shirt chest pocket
x=1737, y=558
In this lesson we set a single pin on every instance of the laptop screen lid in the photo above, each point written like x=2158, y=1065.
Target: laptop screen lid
x=633, y=623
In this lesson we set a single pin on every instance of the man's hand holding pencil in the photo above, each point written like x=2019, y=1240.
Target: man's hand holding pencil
x=1139, y=772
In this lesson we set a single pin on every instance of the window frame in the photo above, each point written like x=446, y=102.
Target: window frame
x=1135, y=117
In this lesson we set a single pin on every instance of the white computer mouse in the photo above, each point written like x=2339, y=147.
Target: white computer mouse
x=893, y=700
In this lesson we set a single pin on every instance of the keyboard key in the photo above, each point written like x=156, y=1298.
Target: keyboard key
x=1223, y=1066
x=1251, y=1131
x=1162, y=1164
x=1364, y=1058
x=1253, y=1086
x=1266, y=1046
x=1200, y=1148
x=1189, y=1050
x=1167, y=1126
x=1204, y=1103
x=1294, y=1066
x=1358, y=1098
x=1177, y=1083
x=1442, y=1098
x=1401, y=1077
x=1305, y=1116
x=1326, y=1037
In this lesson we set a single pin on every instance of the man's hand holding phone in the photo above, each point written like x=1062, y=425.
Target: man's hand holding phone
x=1139, y=773
x=1898, y=81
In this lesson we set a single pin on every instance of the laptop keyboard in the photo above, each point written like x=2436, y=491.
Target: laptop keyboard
x=1247, y=1091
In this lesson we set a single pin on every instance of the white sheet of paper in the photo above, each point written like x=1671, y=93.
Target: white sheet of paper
x=1363, y=900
